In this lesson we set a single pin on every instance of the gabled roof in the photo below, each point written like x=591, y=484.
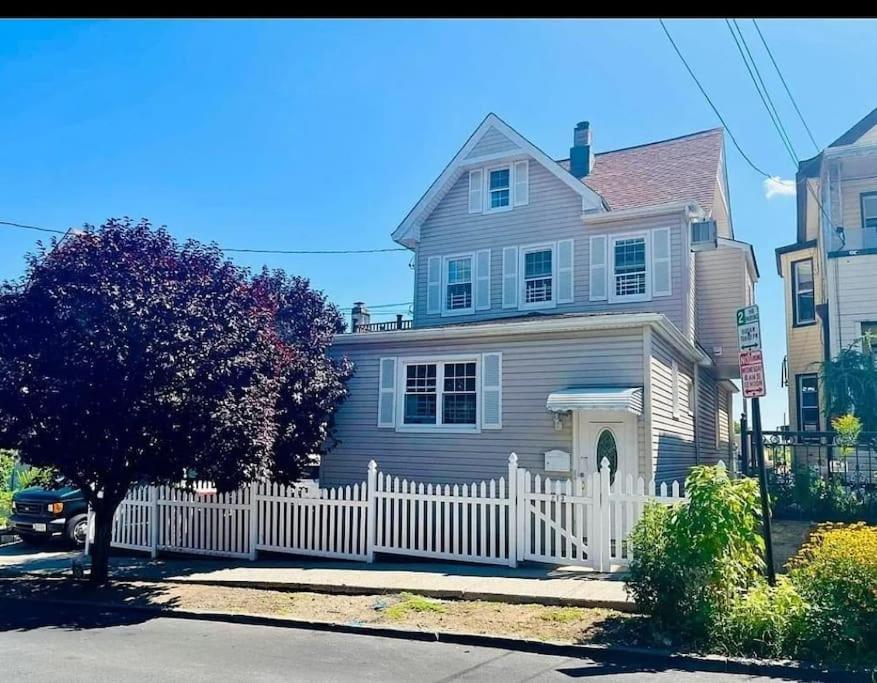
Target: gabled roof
x=861, y=127
x=676, y=170
x=408, y=232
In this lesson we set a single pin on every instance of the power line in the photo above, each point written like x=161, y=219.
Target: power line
x=714, y=108
x=235, y=250
x=761, y=89
x=785, y=85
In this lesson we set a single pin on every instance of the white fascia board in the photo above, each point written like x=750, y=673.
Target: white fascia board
x=690, y=209
x=746, y=248
x=508, y=328
x=408, y=232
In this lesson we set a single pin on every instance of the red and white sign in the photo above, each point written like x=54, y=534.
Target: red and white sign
x=752, y=374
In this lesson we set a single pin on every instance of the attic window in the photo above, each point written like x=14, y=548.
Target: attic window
x=499, y=189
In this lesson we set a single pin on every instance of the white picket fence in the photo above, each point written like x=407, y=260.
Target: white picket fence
x=583, y=521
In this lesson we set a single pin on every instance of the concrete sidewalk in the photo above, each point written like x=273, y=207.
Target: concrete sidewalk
x=529, y=584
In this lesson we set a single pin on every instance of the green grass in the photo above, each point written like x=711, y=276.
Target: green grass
x=562, y=615
x=412, y=603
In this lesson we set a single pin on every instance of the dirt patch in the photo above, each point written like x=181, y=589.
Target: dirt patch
x=540, y=622
x=788, y=536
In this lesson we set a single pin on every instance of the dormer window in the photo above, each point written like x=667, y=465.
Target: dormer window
x=499, y=188
x=458, y=284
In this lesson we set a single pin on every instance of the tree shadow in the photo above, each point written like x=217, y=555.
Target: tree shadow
x=32, y=603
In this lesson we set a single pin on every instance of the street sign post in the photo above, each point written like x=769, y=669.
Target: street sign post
x=752, y=378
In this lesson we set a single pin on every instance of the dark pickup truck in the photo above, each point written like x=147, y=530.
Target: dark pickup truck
x=39, y=515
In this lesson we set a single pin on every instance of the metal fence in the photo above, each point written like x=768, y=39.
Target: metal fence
x=811, y=475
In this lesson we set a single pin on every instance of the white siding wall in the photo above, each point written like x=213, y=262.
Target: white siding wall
x=851, y=281
x=532, y=367
x=553, y=213
x=672, y=437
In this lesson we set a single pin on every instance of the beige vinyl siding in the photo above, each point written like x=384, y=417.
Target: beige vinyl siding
x=720, y=290
x=553, y=213
x=493, y=142
x=804, y=345
x=532, y=367
x=672, y=437
x=856, y=299
x=850, y=197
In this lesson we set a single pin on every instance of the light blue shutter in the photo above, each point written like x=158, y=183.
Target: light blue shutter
x=598, y=271
x=482, y=280
x=522, y=183
x=510, y=277
x=387, y=393
x=661, y=281
x=565, y=272
x=491, y=391
x=476, y=190
x=434, y=285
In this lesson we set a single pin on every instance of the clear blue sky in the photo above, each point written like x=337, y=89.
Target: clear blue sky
x=324, y=134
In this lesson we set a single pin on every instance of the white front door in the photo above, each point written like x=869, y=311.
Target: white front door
x=610, y=435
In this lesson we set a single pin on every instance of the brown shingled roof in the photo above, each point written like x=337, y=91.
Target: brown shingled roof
x=676, y=170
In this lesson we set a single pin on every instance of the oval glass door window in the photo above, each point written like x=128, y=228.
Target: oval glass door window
x=607, y=448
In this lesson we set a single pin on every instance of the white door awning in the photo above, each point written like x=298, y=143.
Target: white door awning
x=618, y=399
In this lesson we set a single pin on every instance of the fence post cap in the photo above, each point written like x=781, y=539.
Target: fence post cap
x=513, y=459
x=604, y=463
x=721, y=464
x=372, y=466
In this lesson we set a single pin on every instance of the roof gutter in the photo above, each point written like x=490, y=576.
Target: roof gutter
x=692, y=209
x=501, y=328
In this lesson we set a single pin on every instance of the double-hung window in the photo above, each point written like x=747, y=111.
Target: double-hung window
x=441, y=394
x=499, y=188
x=630, y=274
x=538, y=281
x=804, y=303
x=458, y=284
x=808, y=402
x=869, y=210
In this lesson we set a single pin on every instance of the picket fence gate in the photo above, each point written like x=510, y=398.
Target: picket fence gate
x=582, y=521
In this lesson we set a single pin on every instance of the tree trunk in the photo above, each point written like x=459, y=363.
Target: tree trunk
x=100, y=547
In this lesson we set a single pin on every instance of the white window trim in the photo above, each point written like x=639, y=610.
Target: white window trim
x=451, y=312
x=796, y=291
x=486, y=200
x=522, y=280
x=613, y=239
x=401, y=372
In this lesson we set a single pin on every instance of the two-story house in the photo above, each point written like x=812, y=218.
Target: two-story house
x=565, y=310
x=830, y=271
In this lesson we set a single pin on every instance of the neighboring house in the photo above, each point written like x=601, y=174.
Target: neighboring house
x=830, y=272
x=563, y=310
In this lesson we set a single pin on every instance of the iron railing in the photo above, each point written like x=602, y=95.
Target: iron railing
x=387, y=326
x=814, y=475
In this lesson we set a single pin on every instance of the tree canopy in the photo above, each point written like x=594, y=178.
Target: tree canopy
x=127, y=357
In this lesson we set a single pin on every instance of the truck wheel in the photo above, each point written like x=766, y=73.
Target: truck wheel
x=76, y=530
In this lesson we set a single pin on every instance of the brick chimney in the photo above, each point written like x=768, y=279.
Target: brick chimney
x=359, y=316
x=581, y=158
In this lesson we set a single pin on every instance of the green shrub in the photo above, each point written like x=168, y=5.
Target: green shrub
x=836, y=574
x=691, y=559
x=5, y=507
x=763, y=622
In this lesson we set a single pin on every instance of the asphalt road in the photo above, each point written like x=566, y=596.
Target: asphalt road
x=44, y=642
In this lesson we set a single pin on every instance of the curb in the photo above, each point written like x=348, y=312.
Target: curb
x=627, y=657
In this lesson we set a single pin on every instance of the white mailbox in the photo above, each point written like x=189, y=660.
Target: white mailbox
x=556, y=461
